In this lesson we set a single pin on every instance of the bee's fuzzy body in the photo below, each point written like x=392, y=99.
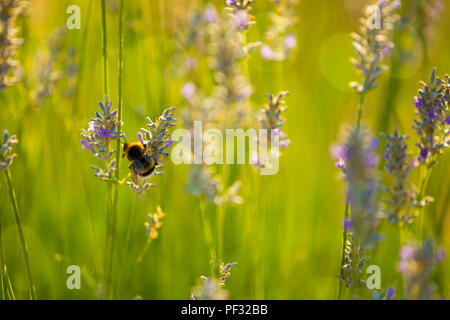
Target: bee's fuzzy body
x=142, y=163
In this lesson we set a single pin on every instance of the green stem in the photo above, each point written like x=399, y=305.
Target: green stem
x=423, y=40
x=256, y=224
x=347, y=203
x=220, y=219
x=11, y=295
x=360, y=111
x=424, y=179
x=117, y=172
x=105, y=89
x=81, y=63
x=344, y=243
x=2, y=262
x=126, y=246
x=144, y=251
x=105, y=51
x=109, y=199
x=131, y=222
x=31, y=288
x=208, y=235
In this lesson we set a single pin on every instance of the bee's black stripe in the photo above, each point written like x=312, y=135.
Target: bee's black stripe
x=148, y=172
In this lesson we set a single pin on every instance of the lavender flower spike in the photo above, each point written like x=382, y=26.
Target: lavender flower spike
x=360, y=160
x=102, y=131
x=416, y=265
x=9, y=43
x=157, y=139
x=358, y=155
x=400, y=195
x=6, y=158
x=212, y=288
x=279, y=39
x=433, y=125
x=373, y=43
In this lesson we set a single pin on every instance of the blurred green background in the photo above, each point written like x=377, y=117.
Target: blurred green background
x=297, y=213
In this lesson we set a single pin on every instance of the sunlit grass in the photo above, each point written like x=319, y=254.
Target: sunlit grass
x=286, y=237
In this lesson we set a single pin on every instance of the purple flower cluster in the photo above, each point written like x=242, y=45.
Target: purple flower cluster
x=279, y=40
x=355, y=260
x=6, y=158
x=433, y=124
x=157, y=139
x=9, y=43
x=156, y=136
x=400, y=196
x=239, y=4
x=212, y=288
x=272, y=120
x=101, y=132
x=272, y=112
x=373, y=43
x=384, y=295
x=241, y=13
x=416, y=264
x=358, y=160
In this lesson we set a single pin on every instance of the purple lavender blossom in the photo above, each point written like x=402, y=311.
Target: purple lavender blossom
x=190, y=63
x=102, y=131
x=210, y=14
x=188, y=90
x=290, y=42
x=360, y=161
x=432, y=121
x=440, y=255
x=105, y=133
x=340, y=164
x=6, y=158
x=417, y=261
x=390, y=293
x=424, y=153
x=85, y=145
x=414, y=163
x=417, y=102
x=255, y=160
x=140, y=138
x=386, y=51
x=266, y=52
x=242, y=18
x=447, y=121
x=339, y=151
x=435, y=9
x=372, y=44
x=347, y=224
x=285, y=143
x=407, y=252
x=167, y=145
x=400, y=196
x=91, y=126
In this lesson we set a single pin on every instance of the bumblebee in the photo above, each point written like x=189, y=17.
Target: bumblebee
x=140, y=156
